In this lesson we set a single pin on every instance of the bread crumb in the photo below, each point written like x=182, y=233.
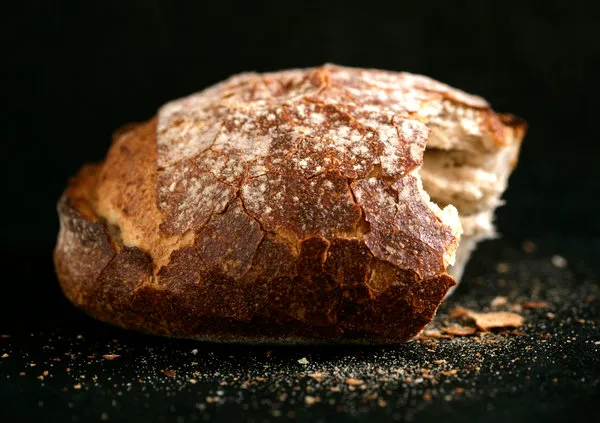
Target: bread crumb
x=170, y=373
x=303, y=361
x=458, y=312
x=432, y=334
x=5, y=355
x=449, y=372
x=354, y=382
x=111, y=356
x=193, y=381
x=558, y=261
x=491, y=320
x=529, y=246
x=310, y=400
x=459, y=330
x=502, y=268
x=534, y=305
x=318, y=376
x=499, y=302
x=550, y=315
x=77, y=386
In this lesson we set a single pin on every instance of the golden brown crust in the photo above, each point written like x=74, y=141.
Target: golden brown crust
x=269, y=207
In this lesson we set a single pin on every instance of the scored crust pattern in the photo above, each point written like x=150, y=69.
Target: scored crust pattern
x=270, y=207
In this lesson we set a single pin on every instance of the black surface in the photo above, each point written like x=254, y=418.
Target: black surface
x=549, y=371
x=73, y=72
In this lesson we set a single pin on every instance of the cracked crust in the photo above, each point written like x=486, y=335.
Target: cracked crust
x=278, y=207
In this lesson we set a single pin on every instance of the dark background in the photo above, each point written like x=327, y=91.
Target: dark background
x=73, y=73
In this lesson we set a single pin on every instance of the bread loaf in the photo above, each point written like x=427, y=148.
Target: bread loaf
x=310, y=205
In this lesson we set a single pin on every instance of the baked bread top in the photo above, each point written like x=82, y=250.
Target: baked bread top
x=307, y=178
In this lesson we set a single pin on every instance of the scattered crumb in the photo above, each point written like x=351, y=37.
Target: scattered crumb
x=432, y=334
x=459, y=330
x=502, y=268
x=193, y=381
x=499, y=302
x=449, y=372
x=491, y=320
x=4, y=355
x=558, y=261
x=77, y=386
x=318, y=376
x=439, y=361
x=354, y=382
x=111, y=356
x=550, y=315
x=458, y=312
x=517, y=308
x=169, y=373
x=529, y=246
x=534, y=305
x=303, y=360
x=310, y=400
x=194, y=351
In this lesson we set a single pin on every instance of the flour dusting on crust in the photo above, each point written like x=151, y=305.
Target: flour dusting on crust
x=297, y=147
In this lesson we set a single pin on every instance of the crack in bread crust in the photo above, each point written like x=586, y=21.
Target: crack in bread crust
x=268, y=207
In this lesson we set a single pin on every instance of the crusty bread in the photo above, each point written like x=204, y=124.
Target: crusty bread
x=287, y=207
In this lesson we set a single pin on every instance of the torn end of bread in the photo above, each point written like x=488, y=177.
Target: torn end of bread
x=467, y=161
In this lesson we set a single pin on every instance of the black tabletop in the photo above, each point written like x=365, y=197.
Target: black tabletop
x=63, y=366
